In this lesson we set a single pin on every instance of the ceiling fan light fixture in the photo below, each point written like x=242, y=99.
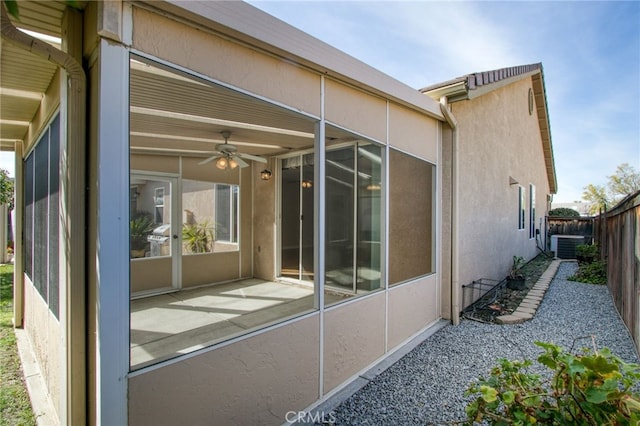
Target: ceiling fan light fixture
x=222, y=163
x=232, y=163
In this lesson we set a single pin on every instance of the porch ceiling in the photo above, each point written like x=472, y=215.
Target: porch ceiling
x=25, y=76
x=172, y=113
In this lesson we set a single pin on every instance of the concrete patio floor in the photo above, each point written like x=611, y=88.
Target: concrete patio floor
x=168, y=325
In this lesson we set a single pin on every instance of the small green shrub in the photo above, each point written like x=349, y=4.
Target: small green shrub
x=591, y=273
x=592, y=388
x=587, y=250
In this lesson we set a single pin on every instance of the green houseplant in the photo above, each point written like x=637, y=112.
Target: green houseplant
x=515, y=279
x=198, y=237
x=140, y=227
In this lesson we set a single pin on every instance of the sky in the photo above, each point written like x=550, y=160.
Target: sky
x=590, y=52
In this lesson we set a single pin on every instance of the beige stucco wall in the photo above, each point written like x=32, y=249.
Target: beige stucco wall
x=226, y=61
x=356, y=110
x=354, y=338
x=413, y=133
x=46, y=337
x=498, y=138
x=444, y=227
x=44, y=330
x=254, y=381
x=412, y=307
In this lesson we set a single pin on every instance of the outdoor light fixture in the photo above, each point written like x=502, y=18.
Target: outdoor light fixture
x=265, y=174
x=307, y=183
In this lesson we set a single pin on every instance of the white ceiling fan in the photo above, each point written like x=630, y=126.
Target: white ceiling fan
x=228, y=157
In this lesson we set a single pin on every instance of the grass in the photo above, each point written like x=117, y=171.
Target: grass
x=15, y=407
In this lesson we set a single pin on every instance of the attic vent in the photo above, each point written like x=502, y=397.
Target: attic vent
x=564, y=246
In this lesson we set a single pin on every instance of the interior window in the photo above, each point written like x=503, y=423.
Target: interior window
x=210, y=222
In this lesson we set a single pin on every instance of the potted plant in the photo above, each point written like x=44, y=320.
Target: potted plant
x=586, y=253
x=140, y=227
x=198, y=237
x=515, y=279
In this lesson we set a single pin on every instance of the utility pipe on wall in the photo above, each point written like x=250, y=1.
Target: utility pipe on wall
x=455, y=285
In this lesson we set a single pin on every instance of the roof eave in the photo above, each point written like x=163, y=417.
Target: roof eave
x=542, y=110
x=453, y=92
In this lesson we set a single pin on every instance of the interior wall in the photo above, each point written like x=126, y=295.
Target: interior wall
x=264, y=224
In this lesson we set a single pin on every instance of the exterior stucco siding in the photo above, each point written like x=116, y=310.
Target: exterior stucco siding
x=354, y=338
x=498, y=139
x=226, y=61
x=45, y=335
x=356, y=110
x=253, y=381
x=412, y=307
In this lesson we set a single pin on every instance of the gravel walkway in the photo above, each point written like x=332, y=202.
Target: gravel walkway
x=426, y=386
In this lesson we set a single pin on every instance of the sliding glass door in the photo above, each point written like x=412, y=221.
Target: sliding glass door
x=296, y=218
x=353, y=224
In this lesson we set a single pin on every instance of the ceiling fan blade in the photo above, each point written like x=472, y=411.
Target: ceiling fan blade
x=209, y=159
x=253, y=157
x=241, y=163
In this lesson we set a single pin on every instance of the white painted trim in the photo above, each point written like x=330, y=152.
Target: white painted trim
x=385, y=232
x=112, y=260
x=318, y=227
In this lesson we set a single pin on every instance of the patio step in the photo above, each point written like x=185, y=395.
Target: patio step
x=529, y=305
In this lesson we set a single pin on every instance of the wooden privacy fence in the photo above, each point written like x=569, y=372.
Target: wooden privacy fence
x=570, y=226
x=617, y=234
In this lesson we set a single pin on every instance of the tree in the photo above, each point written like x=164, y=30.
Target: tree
x=6, y=189
x=597, y=195
x=625, y=181
x=563, y=212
